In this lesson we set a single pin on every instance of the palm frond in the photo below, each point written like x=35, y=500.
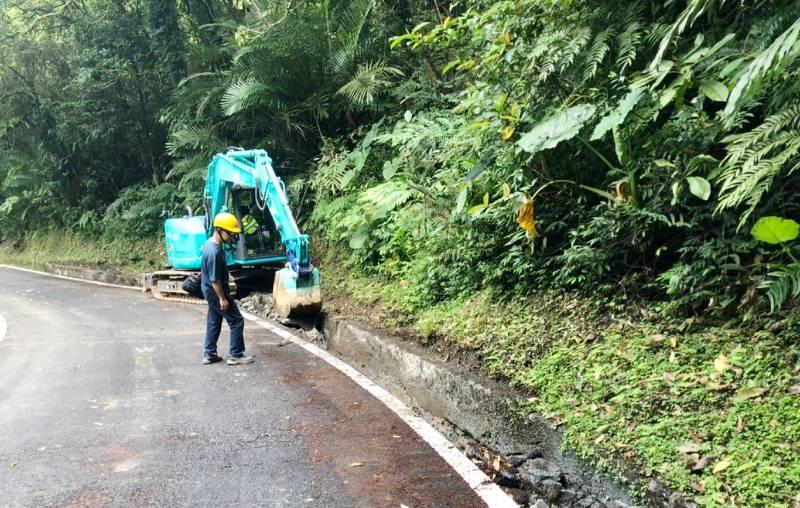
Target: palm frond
x=243, y=94
x=365, y=85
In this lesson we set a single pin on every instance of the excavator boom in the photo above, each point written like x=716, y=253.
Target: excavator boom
x=244, y=183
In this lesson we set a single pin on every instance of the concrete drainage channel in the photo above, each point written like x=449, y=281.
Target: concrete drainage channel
x=527, y=460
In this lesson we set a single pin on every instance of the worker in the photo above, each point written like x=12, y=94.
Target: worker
x=249, y=223
x=217, y=293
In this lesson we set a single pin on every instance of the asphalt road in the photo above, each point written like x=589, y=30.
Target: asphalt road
x=104, y=402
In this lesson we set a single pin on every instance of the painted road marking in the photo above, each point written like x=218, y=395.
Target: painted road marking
x=11, y=267
x=491, y=494
x=3, y=327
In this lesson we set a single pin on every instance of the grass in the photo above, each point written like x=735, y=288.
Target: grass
x=713, y=412
x=130, y=256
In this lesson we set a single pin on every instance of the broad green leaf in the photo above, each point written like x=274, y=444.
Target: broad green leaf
x=617, y=116
x=775, y=230
x=479, y=166
x=348, y=177
x=477, y=208
x=714, y=90
x=390, y=168
x=699, y=187
x=663, y=163
x=359, y=238
x=461, y=200
x=450, y=65
x=560, y=127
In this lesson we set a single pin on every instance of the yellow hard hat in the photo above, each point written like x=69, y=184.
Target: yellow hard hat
x=228, y=222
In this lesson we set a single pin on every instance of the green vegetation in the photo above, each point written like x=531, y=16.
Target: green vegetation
x=710, y=410
x=599, y=197
x=130, y=257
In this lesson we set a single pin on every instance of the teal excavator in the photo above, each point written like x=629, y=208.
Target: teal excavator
x=243, y=183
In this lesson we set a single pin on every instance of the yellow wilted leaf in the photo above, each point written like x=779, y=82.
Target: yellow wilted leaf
x=721, y=364
x=446, y=22
x=507, y=38
x=526, y=220
x=506, y=190
x=486, y=199
x=722, y=465
x=507, y=132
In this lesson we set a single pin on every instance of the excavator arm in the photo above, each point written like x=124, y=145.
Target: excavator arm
x=253, y=169
x=296, y=287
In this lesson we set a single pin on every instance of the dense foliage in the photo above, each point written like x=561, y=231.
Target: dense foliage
x=642, y=151
x=647, y=141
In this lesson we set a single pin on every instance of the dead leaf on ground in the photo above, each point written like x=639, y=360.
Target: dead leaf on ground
x=703, y=463
x=794, y=390
x=721, y=364
x=740, y=425
x=356, y=464
x=699, y=487
x=691, y=447
x=750, y=393
x=722, y=465
x=669, y=377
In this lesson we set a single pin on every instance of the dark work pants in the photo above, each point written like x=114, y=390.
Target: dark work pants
x=214, y=326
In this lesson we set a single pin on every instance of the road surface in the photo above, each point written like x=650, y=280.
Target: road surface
x=104, y=402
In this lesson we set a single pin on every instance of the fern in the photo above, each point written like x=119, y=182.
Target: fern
x=768, y=62
x=629, y=41
x=756, y=157
x=597, y=53
x=780, y=285
x=694, y=10
x=574, y=46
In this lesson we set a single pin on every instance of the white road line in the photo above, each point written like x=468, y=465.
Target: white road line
x=477, y=480
x=3, y=328
x=491, y=494
x=74, y=279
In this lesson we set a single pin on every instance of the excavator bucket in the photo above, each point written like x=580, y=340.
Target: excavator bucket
x=296, y=295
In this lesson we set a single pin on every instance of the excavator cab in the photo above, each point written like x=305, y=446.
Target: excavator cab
x=243, y=182
x=259, y=235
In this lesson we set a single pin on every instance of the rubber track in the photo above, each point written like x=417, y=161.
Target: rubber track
x=175, y=298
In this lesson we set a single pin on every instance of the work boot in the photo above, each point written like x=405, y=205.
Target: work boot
x=239, y=360
x=211, y=359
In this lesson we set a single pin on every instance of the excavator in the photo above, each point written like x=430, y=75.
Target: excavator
x=243, y=182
